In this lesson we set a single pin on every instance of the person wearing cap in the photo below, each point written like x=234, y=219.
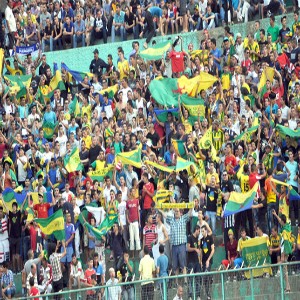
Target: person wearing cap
x=232, y=254
x=97, y=64
x=41, y=208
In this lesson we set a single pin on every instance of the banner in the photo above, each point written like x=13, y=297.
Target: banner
x=255, y=252
x=24, y=50
x=100, y=174
x=175, y=205
x=162, y=196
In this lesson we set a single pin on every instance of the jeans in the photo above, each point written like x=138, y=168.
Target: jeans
x=195, y=27
x=120, y=31
x=194, y=282
x=25, y=247
x=212, y=220
x=78, y=39
x=210, y=24
x=48, y=43
x=128, y=293
x=57, y=44
x=271, y=219
x=135, y=34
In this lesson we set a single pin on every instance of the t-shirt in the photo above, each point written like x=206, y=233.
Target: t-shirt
x=206, y=246
x=34, y=291
x=42, y=210
x=211, y=198
x=150, y=233
x=87, y=276
x=194, y=243
x=15, y=224
x=147, y=199
x=132, y=207
x=177, y=59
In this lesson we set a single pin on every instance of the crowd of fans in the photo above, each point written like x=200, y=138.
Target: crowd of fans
x=108, y=125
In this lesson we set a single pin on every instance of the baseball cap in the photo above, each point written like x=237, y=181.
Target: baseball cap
x=238, y=35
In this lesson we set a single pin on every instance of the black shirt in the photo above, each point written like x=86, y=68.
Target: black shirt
x=194, y=243
x=96, y=66
x=206, y=245
x=154, y=139
x=42, y=69
x=15, y=224
x=35, y=81
x=117, y=244
x=93, y=153
x=211, y=194
x=129, y=20
x=84, y=155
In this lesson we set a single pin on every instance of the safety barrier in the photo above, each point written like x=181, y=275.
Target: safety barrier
x=221, y=284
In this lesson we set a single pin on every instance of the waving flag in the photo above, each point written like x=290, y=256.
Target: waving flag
x=162, y=114
x=267, y=74
x=133, y=157
x=183, y=164
x=74, y=107
x=179, y=147
x=111, y=90
x=54, y=224
x=72, y=162
x=246, y=134
x=162, y=196
x=156, y=52
x=1, y=60
x=78, y=76
x=168, y=169
x=18, y=84
x=101, y=230
x=239, y=202
x=49, y=129
x=286, y=131
x=194, y=85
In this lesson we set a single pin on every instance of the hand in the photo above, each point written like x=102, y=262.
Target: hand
x=207, y=264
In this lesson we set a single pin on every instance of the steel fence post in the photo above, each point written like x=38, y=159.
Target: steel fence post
x=281, y=282
x=223, y=287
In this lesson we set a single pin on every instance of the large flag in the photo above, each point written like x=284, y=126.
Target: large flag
x=183, y=164
x=133, y=157
x=162, y=114
x=168, y=169
x=194, y=85
x=8, y=196
x=72, y=162
x=156, y=52
x=54, y=224
x=286, y=131
x=255, y=252
x=101, y=230
x=206, y=143
x=98, y=212
x=49, y=129
x=74, y=107
x=78, y=76
x=239, y=202
x=18, y=84
x=100, y=174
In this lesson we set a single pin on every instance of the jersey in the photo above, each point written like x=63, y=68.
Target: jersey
x=244, y=182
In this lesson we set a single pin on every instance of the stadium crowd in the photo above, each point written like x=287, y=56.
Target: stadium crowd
x=115, y=114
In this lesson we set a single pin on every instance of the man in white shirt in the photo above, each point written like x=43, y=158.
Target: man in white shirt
x=62, y=139
x=11, y=23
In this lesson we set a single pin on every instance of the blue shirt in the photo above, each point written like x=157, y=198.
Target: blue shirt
x=69, y=27
x=168, y=158
x=162, y=263
x=217, y=53
x=69, y=229
x=70, y=13
x=156, y=11
x=52, y=175
x=274, y=110
x=79, y=27
x=72, y=129
x=293, y=168
x=91, y=244
x=119, y=18
x=7, y=278
x=49, y=117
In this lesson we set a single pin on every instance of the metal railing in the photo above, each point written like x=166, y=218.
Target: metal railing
x=222, y=284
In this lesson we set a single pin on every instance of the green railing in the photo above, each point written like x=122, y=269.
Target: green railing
x=221, y=284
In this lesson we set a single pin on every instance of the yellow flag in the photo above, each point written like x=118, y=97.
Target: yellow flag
x=267, y=74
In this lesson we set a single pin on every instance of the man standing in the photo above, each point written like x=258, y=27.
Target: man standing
x=207, y=251
x=54, y=259
x=11, y=23
x=114, y=290
x=97, y=64
x=193, y=250
x=147, y=269
x=178, y=240
x=147, y=194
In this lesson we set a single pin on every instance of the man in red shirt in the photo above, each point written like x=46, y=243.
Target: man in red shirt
x=255, y=177
x=133, y=219
x=230, y=160
x=88, y=276
x=41, y=208
x=177, y=58
x=147, y=194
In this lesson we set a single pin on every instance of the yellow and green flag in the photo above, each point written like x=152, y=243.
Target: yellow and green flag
x=179, y=147
x=267, y=74
x=239, y=202
x=49, y=129
x=156, y=52
x=111, y=90
x=74, y=107
x=18, y=84
x=255, y=252
x=72, y=162
x=55, y=225
x=162, y=196
x=133, y=157
x=168, y=169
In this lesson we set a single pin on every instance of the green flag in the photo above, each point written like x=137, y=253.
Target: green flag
x=49, y=129
x=179, y=147
x=72, y=162
x=286, y=131
x=18, y=84
x=74, y=107
x=133, y=157
x=156, y=52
